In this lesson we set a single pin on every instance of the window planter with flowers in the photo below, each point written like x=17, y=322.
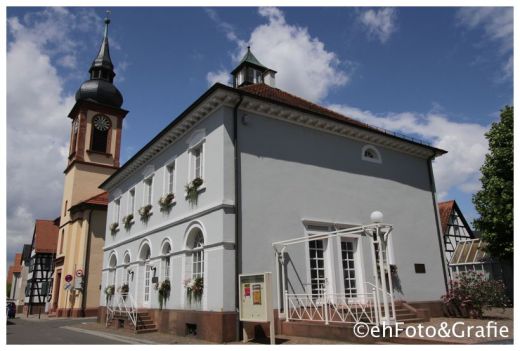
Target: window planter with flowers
x=164, y=292
x=145, y=212
x=194, y=289
x=109, y=292
x=123, y=290
x=114, y=227
x=166, y=201
x=128, y=221
x=192, y=190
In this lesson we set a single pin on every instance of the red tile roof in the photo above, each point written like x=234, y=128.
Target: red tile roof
x=45, y=236
x=16, y=267
x=99, y=200
x=445, y=210
x=284, y=97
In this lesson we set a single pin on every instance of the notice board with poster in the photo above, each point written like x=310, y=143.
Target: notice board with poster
x=255, y=297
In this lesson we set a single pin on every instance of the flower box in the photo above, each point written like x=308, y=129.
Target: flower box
x=166, y=201
x=128, y=220
x=145, y=212
x=192, y=190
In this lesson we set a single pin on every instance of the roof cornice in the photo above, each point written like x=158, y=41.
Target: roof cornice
x=222, y=95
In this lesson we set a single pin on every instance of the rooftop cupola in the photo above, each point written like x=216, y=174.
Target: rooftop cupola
x=100, y=88
x=251, y=71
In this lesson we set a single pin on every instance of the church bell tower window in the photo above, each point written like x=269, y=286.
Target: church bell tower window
x=101, y=126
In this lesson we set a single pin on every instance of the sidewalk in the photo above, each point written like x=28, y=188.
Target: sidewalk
x=164, y=338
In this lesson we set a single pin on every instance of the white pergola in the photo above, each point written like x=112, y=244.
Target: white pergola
x=377, y=233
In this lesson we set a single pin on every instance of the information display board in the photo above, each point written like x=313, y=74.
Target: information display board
x=255, y=300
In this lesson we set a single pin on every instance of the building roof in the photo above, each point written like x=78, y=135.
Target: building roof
x=26, y=253
x=280, y=97
x=45, y=236
x=96, y=200
x=445, y=210
x=249, y=58
x=16, y=267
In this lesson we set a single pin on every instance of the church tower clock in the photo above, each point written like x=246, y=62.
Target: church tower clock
x=94, y=151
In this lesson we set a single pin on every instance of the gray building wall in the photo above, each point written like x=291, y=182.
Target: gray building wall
x=291, y=174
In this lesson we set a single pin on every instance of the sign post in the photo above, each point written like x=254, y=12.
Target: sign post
x=256, y=303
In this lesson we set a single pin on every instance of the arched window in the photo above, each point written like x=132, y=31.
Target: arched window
x=166, y=249
x=144, y=253
x=112, y=265
x=371, y=154
x=100, y=130
x=198, y=254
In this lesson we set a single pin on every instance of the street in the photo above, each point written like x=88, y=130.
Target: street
x=52, y=331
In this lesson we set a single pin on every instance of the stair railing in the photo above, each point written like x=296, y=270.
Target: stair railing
x=122, y=304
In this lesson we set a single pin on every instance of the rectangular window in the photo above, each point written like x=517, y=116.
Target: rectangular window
x=198, y=264
x=117, y=207
x=61, y=240
x=317, y=265
x=148, y=183
x=349, y=270
x=166, y=268
x=198, y=160
x=131, y=205
x=170, y=173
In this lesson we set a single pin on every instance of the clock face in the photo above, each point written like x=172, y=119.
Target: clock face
x=101, y=123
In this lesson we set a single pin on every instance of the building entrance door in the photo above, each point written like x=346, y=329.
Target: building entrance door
x=147, y=281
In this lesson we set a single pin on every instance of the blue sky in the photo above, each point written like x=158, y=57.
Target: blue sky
x=439, y=74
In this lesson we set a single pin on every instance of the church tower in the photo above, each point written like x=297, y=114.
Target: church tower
x=94, y=151
x=95, y=138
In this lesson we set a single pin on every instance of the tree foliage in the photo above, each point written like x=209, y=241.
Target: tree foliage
x=494, y=202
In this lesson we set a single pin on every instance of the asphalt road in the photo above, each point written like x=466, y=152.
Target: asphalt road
x=50, y=331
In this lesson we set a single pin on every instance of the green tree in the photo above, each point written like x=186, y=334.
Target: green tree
x=494, y=202
x=8, y=289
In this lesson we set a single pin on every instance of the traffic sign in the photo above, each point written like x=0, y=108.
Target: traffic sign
x=79, y=273
x=68, y=278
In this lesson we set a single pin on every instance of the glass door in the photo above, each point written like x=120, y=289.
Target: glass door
x=147, y=278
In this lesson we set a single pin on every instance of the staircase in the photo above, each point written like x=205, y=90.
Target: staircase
x=145, y=324
x=406, y=315
x=123, y=307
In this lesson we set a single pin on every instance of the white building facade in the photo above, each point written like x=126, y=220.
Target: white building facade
x=273, y=167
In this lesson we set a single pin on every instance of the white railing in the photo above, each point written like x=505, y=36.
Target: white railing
x=381, y=311
x=122, y=304
x=332, y=308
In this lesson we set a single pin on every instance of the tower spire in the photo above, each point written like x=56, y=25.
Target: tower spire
x=100, y=86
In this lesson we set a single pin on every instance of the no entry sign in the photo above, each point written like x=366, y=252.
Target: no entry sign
x=68, y=278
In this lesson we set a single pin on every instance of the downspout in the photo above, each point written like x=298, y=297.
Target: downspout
x=238, y=210
x=87, y=256
x=437, y=221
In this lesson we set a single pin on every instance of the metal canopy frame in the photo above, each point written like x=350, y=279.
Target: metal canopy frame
x=378, y=234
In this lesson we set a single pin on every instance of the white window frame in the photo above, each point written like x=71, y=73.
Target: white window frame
x=367, y=147
x=116, y=215
x=170, y=171
x=148, y=190
x=131, y=201
x=197, y=259
x=192, y=160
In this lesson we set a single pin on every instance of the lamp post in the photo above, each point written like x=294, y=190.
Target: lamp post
x=380, y=237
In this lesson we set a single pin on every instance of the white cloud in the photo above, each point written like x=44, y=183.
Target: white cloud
x=379, y=24
x=221, y=76
x=304, y=66
x=37, y=123
x=465, y=143
x=497, y=24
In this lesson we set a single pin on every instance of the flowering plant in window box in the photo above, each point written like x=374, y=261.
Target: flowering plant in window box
x=113, y=227
x=145, y=211
x=192, y=193
x=123, y=289
x=109, y=291
x=194, y=288
x=128, y=220
x=164, y=292
x=166, y=201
